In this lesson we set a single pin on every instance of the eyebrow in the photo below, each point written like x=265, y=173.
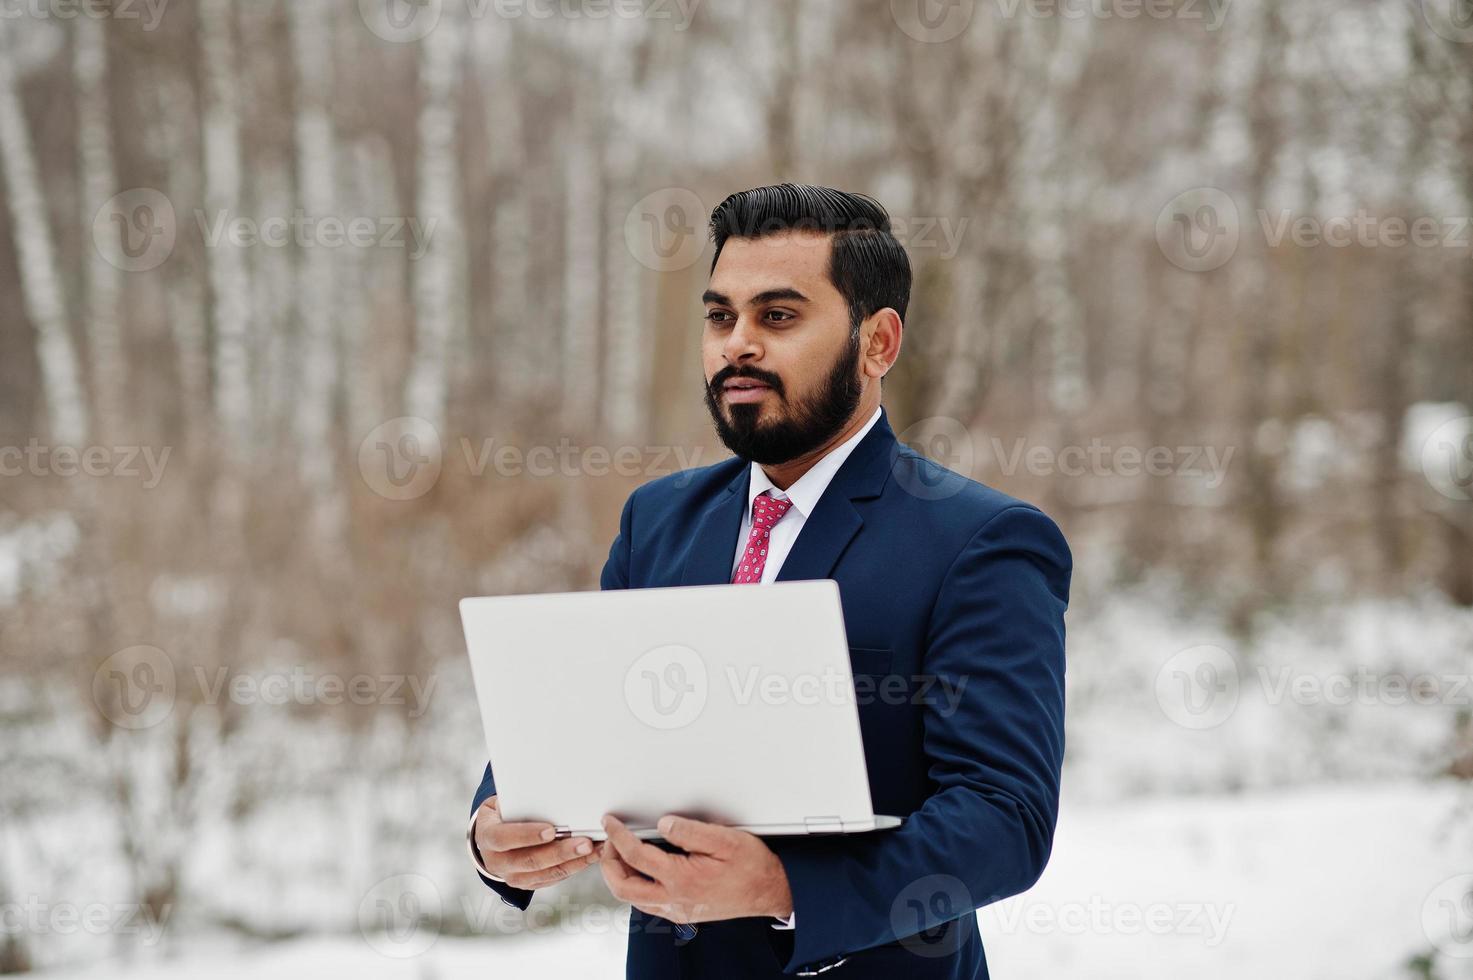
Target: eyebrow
x=770, y=296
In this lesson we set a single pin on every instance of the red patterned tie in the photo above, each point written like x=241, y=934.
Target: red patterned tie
x=766, y=511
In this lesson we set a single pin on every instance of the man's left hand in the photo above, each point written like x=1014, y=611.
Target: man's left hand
x=724, y=874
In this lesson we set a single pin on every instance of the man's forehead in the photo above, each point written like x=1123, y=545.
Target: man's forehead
x=786, y=258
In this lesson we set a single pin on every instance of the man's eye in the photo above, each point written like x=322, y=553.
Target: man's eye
x=717, y=316
x=780, y=316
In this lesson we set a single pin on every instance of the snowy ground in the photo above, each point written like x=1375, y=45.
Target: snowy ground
x=1272, y=807
x=1333, y=882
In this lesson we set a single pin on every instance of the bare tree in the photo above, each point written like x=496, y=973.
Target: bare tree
x=40, y=280
x=439, y=276
x=229, y=278
x=317, y=298
x=99, y=182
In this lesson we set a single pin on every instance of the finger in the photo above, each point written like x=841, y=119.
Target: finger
x=626, y=884
x=551, y=876
x=636, y=853
x=499, y=836
x=527, y=860
x=699, y=837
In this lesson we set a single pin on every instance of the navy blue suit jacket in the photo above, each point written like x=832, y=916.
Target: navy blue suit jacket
x=953, y=597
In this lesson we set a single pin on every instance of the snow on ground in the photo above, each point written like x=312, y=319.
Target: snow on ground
x=1328, y=882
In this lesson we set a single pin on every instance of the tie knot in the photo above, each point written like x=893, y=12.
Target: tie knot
x=767, y=510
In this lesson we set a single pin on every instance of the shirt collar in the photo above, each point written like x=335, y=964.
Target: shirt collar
x=808, y=488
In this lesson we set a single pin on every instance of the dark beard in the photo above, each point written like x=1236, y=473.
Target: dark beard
x=806, y=426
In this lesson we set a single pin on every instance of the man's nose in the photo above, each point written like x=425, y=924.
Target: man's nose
x=742, y=343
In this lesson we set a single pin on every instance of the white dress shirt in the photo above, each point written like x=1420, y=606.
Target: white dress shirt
x=804, y=493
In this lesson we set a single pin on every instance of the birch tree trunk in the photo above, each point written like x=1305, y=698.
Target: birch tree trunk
x=229, y=279
x=316, y=175
x=176, y=152
x=624, y=397
x=99, y=182
x=1252, y=283
x=513, y=323
x=376, y=292
x=581, y=272
x=439, y=275
x=36, y=257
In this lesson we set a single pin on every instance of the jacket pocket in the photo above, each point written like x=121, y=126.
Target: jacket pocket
x=874, y=661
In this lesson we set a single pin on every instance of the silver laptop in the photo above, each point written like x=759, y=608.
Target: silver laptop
x=732, y=704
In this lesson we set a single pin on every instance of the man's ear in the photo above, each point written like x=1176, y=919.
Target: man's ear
x=884, y=330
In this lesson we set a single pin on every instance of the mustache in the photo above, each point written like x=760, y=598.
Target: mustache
x=720, y=378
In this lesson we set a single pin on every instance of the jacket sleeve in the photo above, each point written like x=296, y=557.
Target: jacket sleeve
x=615, y=576
x=996, y=636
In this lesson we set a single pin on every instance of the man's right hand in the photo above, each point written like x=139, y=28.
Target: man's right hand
x=525, y=855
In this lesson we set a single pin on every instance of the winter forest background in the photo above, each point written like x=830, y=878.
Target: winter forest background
x=317, y=315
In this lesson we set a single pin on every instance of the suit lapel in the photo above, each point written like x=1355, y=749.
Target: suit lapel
x=835, y=520
x=714, y=545
x=826, y=533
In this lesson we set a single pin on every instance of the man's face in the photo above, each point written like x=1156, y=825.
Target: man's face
x=778, y=328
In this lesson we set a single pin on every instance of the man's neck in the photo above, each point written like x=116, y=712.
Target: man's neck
x=784, y=475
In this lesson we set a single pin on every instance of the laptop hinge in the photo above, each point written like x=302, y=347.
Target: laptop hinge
x=824, y=825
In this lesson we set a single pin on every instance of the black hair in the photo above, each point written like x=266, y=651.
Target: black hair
x=868, y=265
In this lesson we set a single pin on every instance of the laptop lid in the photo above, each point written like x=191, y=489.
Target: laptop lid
x=729, y=703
